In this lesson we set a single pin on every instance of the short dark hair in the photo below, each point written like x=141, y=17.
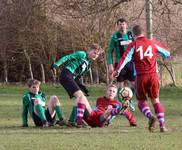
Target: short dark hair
x=96, y=47
x=121, y=20
x=137, y=30
x=31, y=82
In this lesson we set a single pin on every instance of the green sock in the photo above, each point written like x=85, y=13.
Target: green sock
x=86, y=112
x=73, y=114
x=41, y=112
x=102, y=119
x=59, y=112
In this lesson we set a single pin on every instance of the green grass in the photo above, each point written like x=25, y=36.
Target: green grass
x=115, y=137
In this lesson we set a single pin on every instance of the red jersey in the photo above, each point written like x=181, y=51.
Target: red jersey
x=93, y=119
x=144, y=52
x=103, y=103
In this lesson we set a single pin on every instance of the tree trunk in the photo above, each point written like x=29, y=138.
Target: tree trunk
x=3, y=57
x=172, y=74
x=5, y=71
x=81, y=80
x=91, y=77
x=42, y=73
x=106, y=67
x=149, y=19
x=161, y=68
x=29, y=64
x=97, y=76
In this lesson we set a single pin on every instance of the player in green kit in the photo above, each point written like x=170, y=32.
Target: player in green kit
x=117, y=46
x=34, y=103
x=76, y=65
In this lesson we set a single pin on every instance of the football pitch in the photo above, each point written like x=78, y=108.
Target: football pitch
x=118, y=136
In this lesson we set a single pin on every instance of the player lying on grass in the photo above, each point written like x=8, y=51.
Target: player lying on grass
x=34, y=102
x=106, y=108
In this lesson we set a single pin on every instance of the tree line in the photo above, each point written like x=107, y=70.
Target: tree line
x=35, y=33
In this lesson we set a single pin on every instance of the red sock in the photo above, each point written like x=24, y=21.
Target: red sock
x=80, y=112
x=130, y=117
x=115, y=111
x=159, y=110
x=144, y=108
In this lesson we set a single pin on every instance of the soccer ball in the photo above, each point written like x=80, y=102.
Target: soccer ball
x=125, y=93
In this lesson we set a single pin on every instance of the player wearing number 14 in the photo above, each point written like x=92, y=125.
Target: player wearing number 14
x=144, y=53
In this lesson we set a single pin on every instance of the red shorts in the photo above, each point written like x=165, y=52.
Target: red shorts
x=147, y=84
x=93, y=119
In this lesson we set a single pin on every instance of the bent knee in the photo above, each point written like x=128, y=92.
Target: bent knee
x=54, y=100
x=80, y=97
x=78, y=94
x=155, y=100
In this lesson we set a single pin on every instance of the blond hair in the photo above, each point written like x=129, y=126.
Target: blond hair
x=112, y=85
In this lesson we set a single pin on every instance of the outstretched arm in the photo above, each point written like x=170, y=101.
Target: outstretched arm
x=127, y=57
x=163, y=50
x=76, y=55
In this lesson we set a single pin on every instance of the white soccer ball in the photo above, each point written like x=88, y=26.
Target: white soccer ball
x=125, y=93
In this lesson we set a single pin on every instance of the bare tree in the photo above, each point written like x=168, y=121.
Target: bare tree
x=149, y=19
x=34, y=33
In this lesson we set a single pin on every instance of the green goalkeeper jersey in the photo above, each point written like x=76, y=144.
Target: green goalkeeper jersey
x=77, y=63
x=28, y=105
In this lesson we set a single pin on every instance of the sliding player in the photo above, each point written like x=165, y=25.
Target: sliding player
x=106, y=108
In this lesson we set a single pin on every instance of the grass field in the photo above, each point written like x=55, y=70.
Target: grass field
x=116, y=137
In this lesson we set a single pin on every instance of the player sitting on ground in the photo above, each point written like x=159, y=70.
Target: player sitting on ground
x=106, y=108
x=34, y=103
